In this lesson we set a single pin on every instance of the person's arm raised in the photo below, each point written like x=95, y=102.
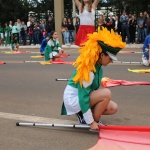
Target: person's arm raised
x=95, y=3
x=77, y=3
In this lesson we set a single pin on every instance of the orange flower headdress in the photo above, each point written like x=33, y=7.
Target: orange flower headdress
x=86, y=61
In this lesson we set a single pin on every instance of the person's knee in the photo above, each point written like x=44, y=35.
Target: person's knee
x=114, y=108
x=107, y=94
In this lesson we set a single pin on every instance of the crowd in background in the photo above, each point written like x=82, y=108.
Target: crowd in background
x=132, y=29
x=128, y=26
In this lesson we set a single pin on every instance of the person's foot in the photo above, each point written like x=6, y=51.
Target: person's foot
x=51, y=60
x=100, y=123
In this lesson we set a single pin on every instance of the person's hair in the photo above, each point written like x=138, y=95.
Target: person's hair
x=89, y=6
x=51, y=35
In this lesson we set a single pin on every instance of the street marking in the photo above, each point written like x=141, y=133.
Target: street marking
x=37, y=119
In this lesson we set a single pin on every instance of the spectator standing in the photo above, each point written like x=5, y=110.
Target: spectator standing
x=132, y=29
x=23, y=32
x=117, y=27
x=124, y=27
x=145, y=24
x=29, y=19
x=1, y=35
x=64, y=31
x=37, y=33
x=43, y=30
x=148, y=26
x=77, y=24
x=140, y=29
x=19, y=28
x=71, y=29
x=7, y=34
x=101, y=22
x=87, y=19
x=110, y=22
x=30, y=32
x=10, y=25
x=15, y=30
x=50, y=25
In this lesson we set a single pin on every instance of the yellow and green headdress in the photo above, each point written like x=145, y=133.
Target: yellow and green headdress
x=101, y=41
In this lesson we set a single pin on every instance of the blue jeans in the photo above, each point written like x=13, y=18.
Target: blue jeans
x=124, y=33
x=23, y=37
x=31, y=38
x=145, y=33
x=37, y=38
x=66, y=37
x=140, y=35
x=71, y=35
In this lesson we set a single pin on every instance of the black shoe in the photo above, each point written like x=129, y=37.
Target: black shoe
x=80, y=117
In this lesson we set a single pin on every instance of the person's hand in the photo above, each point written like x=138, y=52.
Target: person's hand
x=94, y=125
x=149, y=61
x=62, y=50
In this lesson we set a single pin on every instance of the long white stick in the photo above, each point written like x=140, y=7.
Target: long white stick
x=53, y=125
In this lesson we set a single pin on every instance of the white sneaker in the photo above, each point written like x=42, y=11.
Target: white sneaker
x=145, y=61
x=101, y=124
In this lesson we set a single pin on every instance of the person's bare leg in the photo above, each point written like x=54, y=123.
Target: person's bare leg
x=99, y=100
x=111, y=109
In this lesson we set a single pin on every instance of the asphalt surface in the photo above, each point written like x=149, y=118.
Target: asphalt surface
x=29, y=92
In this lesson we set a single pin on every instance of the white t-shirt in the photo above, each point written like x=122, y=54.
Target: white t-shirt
x=87, y=18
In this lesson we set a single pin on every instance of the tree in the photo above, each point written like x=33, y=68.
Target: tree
x=13, y=10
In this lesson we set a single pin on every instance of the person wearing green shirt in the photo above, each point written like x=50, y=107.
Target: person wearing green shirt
x=83, y=95
x=7, y=34
x=1, y=35
x=14, y=43
x=52, y=49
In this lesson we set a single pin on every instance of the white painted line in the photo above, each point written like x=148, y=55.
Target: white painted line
x=37, y=119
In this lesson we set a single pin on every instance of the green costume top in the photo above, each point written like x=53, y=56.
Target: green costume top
x=84, y=92
x=7, y=29
x=13, y=44
x=7, y=35
x=52, y=46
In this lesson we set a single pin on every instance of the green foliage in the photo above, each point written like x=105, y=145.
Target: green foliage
x=12, y=10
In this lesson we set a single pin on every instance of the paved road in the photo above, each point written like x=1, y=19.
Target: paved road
x=29, y=93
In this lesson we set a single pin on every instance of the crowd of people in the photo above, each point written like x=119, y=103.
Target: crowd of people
x=128, y=26
x=132, y=29
x=33, y=30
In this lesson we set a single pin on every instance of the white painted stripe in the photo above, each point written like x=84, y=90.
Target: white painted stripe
x=37, y=119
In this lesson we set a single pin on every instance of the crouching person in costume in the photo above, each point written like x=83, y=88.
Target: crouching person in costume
x=82, y=95
x=146, y=51
x=14, y=43
x=43, y=45
x=53, y=49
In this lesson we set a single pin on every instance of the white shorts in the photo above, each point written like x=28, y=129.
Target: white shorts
x=71, y=100
x=2, y=35
x=52, y=54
